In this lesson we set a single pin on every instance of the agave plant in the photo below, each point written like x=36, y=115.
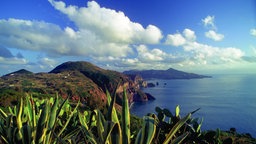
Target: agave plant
x=98, y=128
x=189, y=129
x=32, y=123
x=52, y=121
x=110, y=129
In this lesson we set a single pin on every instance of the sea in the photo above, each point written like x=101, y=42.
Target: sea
x=225, y=101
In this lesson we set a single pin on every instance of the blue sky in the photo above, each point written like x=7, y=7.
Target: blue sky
x=201, y=36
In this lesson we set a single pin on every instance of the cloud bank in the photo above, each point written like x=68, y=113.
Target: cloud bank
x=110, y=38
x=199, y=53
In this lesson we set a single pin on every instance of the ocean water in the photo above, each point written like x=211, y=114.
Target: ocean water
x=225, y=100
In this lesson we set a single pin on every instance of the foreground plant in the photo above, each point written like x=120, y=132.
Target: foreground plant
x=110, y=129
x=36, y=122
x=52, y=121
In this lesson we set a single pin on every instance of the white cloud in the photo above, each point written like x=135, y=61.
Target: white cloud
x=146, y=55
x=214, y=36
x=209, y=21
x=13, y=61
x=203, y=53
x=175, y=39
x=100, y=32
x=189, y=35
x=51, y=39
x=109, y=24
x=179, y=39
x=253, y=32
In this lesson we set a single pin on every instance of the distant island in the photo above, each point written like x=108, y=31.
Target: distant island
x=165, y=74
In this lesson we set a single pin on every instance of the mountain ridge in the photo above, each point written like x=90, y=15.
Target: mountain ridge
x=164, y=74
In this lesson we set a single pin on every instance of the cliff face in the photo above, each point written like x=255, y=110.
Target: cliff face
x=76, y=80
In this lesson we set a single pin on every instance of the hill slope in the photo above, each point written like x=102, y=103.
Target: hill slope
x=76, y=80
x=164, y=74
x=103, y=78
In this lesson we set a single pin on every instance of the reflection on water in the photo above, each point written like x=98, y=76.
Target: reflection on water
x=225, y=100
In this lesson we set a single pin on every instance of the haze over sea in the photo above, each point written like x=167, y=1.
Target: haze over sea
x=225, y=100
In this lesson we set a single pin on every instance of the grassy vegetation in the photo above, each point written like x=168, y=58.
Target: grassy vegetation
x=57, y=120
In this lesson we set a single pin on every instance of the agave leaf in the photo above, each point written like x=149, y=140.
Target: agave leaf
x=26, y=134
x=42, y=122
x=82, y=120
x=167, y=113
x=52, y=119
x=60, y=110
x=68, y=119
x=4, y=139
x=161, y=116
x=148, y=130
x=3, y=114
x=92, y=120
x=112, y=114
x=53, y=113
x=195, y=111
x=108, y=127
x=125, y=119
x=29, y=108
x=158, y=109
x=85, y=129
x=116, y=134
x=175, y=128
x=19, y=120
x=86, y=133
x=12, y=110
x=139, y=137
x=177, y=111
x=199, y=126
x=100, y=124
x=180, y=138
x=73, y=133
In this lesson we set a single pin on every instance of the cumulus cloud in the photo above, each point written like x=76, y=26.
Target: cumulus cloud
x=146, y=55
x=109, y=24
x=175, y=39
x=198, y=53
x=189, y=34
x=207, y=54
x=253, y=32
x=214, y=36
x=100, y=32
x=179, y=39
x=209, y=22
x=143, y=58
x=51, y=39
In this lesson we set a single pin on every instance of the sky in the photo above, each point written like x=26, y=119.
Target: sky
x=199, y=36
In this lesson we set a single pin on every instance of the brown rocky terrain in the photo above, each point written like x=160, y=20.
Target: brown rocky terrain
x=76, y=80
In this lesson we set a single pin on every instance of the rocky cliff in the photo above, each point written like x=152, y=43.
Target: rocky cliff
x=76, y=80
